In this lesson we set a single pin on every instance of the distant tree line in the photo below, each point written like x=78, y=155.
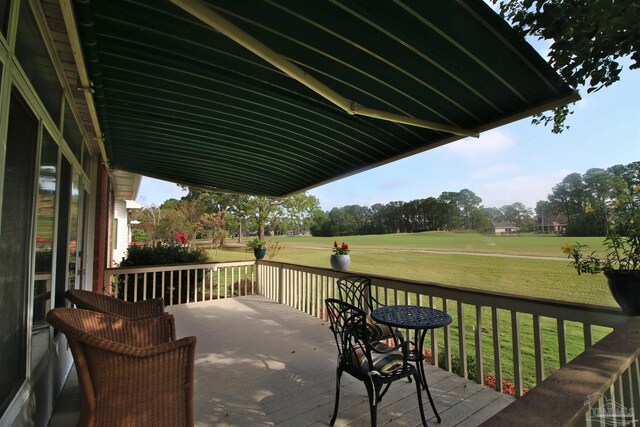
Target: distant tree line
x=215, y=216
x=582, y=200
x=450, y=211
x=571, y=206
x=577, y=206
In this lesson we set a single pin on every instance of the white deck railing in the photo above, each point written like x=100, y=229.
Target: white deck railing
x=183, y=283
x=499, y=331
x=599, y=387
x=488, y=319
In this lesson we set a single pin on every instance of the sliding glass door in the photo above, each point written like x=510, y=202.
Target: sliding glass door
x=15, y=244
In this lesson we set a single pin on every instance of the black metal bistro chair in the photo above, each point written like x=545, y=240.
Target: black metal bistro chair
x=372, y=362
x=356, y=290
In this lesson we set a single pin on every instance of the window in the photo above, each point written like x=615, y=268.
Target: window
x=42, y=279
x=75, y=232
x=69, y=232
x=64, y=203
x=36, y=62
x=16, y=223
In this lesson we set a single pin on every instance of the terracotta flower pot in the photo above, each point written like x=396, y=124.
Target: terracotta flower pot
x=340, y=262
x=625, y=288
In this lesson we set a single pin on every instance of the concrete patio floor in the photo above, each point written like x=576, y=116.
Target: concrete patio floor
x=262, y=363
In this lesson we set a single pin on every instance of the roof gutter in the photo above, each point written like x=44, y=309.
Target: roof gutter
x=85, y=82
x=201, y=11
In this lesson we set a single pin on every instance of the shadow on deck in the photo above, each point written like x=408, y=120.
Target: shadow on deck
x=262, y=363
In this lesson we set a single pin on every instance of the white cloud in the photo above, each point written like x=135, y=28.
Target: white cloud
x=494, y=170
x=528, y=189
x=393, y=184
x=491, y=145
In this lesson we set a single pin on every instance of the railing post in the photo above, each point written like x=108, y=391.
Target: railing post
x=258, y=276
x=478, y=338
x=462, y=343
x=517, y=364
x=539, y=348
x=497, y=359
x=281, y=284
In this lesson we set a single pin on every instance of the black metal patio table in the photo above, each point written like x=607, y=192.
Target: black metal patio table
x=420, y=319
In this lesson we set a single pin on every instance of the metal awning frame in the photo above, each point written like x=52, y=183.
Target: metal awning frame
x=204, y=13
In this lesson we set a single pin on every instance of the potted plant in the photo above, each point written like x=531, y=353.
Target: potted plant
x=258, y=246
x=340, y=259
x=621, y=261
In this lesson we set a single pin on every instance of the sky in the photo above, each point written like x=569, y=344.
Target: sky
x=519, y=162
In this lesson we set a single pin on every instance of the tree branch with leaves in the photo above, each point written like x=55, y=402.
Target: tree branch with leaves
x=588, y=39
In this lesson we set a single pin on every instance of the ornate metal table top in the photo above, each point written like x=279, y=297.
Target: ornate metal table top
x=411, y=316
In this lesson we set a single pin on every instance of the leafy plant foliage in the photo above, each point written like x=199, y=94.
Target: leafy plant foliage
x=588, y=39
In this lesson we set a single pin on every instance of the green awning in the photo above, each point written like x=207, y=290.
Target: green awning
x=180, y=101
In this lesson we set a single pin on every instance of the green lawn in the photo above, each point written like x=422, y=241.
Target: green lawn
x=532, y=245
x=550, y=278
x=544, y=278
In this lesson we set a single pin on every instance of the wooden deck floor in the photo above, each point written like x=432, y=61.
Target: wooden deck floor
x=262, y=363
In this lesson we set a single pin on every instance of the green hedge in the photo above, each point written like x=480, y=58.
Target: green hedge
x=161, y=254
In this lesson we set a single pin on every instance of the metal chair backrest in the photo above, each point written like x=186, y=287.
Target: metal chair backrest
x=356, y=290
x=372, y=362
x=348, y=324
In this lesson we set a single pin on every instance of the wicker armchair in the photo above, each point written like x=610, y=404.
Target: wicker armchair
x=107, y=304
x=131, y=372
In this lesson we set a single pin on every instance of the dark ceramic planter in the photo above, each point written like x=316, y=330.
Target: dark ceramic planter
x=340, y=262
x=259, y=253
x=625, y=288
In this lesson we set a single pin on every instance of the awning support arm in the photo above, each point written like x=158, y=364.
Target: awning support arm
x=201, y=11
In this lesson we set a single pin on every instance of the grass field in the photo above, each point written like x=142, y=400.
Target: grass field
x=551, y=278
x=492, y=263
x=531, y=245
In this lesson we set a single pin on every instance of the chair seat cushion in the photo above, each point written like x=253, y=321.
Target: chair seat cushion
x=378, y=331
x=385, y=364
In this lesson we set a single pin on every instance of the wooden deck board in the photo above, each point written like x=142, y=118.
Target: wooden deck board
x=262, y=363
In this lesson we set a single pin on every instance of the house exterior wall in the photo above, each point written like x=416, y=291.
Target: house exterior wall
x=503, y=228
x=120, y=233
x=63, y=233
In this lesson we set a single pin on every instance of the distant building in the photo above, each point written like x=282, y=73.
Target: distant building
x=502, y=228
x=554, y=224
x=121, y=228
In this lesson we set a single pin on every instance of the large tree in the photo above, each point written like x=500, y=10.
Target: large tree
x=299, y=210
x=517, y=213
x=603, y=187
x=221, y=203
x=588, y=38
x=264, y=210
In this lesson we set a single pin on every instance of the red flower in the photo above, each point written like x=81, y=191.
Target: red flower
x=181, y=237
x=342, y=249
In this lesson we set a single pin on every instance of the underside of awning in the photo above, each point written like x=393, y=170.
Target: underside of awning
x=181, y=101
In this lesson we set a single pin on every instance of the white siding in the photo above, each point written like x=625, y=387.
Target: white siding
x=121, y=234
